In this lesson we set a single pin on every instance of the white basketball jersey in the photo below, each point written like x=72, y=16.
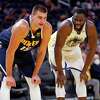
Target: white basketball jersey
x=71, y=51
x=74, y=39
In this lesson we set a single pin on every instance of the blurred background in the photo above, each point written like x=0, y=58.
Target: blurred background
x=13, y=10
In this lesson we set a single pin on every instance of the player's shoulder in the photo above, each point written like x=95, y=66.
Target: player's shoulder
x=90, y=24
x=66, y=23
x=91, y=28
x=22, y=23
x=20, y=27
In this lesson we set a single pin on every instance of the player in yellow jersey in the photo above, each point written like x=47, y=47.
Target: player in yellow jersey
x=65, y=52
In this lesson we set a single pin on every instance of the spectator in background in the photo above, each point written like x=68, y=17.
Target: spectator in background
x=54, y=12
x=94, y=81
x=23, y=13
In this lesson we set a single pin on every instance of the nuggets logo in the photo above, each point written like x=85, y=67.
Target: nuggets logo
x=30, y=41
x=27, y=45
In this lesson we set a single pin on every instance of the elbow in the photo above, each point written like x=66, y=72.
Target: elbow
x=92, y=47
x=42, y=52
x=9, y=53
x=92, y=50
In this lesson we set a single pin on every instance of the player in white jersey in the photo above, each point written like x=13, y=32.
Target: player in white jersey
x=65, y=52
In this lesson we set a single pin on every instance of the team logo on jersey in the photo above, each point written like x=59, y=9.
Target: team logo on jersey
x=74, y=41
x=30, y=41
x=27, y=45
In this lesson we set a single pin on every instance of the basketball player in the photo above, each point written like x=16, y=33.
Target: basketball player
x=65, y=52
x=16, y=45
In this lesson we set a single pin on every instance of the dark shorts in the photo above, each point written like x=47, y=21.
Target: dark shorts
x=24, y=60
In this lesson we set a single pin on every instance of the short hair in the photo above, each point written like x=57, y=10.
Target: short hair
x=80, y=11
x=39, y=7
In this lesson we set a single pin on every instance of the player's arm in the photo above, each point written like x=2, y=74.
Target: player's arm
x=62, y=34
x=92, y=44
x=18, y=31
x=46, y=32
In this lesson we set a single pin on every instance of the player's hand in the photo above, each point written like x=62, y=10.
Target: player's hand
x=10, y=81
x=36, y=79
x=60, y=79
x=83, y=76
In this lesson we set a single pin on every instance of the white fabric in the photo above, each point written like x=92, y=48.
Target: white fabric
x=34, y=90
x=74, y=39
x=80, y=86
x=60, y=91
x=73, y=58
x=4, y=91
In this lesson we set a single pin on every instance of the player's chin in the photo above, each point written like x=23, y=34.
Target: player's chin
x=40, y=25
x=78, y=27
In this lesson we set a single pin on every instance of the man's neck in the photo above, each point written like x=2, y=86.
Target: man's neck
x=32, y=25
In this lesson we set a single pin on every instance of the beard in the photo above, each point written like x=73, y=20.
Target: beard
x=78, y=28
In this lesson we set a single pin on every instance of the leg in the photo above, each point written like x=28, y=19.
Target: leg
x=60, y=92
x=4, y=91
x=34, y=90
x=80, y=86
x=26, y=64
